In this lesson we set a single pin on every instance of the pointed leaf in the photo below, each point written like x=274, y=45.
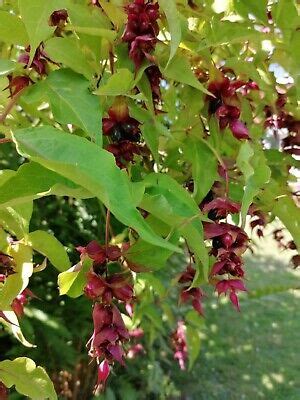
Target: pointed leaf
x=29, y=380
x=51, y=248
x=86, y=164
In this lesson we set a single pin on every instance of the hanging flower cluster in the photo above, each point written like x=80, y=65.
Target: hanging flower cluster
x=226, y=105
x=179, y=344
x=141, y=30
x=195, y=295
x=123, y=131
x=106, y=288
x=229, y=242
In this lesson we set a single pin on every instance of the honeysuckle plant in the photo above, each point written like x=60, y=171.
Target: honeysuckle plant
x=181, y=118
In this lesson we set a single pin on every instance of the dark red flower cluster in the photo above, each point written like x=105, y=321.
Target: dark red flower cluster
x=231, y=286
x=124, y=131
x=154, y=76
x=194, y=295
x=105, y=289
x=17, y=83
x=219, y=208
x=141, y=30
x=58, y=18
x=226, y=104
x=102, y=287
x=100, y=254
x=179, y=343
x=39, y=62
x=109, y=333
x=229, y=242
x=277, y=119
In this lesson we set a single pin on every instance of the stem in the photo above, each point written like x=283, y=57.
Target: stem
x=9, y=106
x=221, y=162
x=5, y=140
x=107, y=225
x=111, y=61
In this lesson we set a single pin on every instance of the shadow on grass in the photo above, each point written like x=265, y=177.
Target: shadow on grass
x=252, y=354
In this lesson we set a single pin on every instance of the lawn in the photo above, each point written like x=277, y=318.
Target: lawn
x=253, y=354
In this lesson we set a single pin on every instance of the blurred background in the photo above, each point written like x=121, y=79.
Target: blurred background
x=246, y=355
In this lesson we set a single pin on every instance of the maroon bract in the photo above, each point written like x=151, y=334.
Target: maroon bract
x=226, y=105
x=141, y=30
x=195, y=295
x=103, y=374
x=100, y=254
x=39, y=62
x=124, y=152
x=231, y=286
x=179, y=344
x=109, y=333
x=17, y=83
x=154, y=76
x=119, y=125
x=20, y=301
x=221, y=207
x=105, y=289
x=58, y=17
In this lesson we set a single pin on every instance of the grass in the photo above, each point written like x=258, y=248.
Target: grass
x=252, y=354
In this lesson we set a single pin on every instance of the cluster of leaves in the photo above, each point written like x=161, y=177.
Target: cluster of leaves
x=174, y=117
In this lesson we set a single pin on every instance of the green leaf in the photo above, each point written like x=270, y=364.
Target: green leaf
x=170, y=10
x=72, y=282
x=16, y=219
x=256, y=173
x=119, y=83
x=179, y=69
x=15, y=329
x=35, y=14
x=82, y=16
x=204, y=167
x=50, y=247
x=6, y=66
x=254, y=7
x=16, y=283
x=93, y=31
x=28, y=379
x=33, y=181
x=72, y=102
x=171, y=203
x=67, y=51
x=12, y=29
x=277, y=199
x=92, y=168
x=194, y=344
x=150, y=257
x=151, y=128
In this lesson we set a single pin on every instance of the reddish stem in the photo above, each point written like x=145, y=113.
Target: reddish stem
x=107, y=226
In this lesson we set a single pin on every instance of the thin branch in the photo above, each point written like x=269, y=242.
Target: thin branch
x=107, y=225
x=5, y=140
x=10, y=106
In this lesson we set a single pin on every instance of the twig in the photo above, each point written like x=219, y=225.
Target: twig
x=5, y=140
x=10, y=106
x=107, y=225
